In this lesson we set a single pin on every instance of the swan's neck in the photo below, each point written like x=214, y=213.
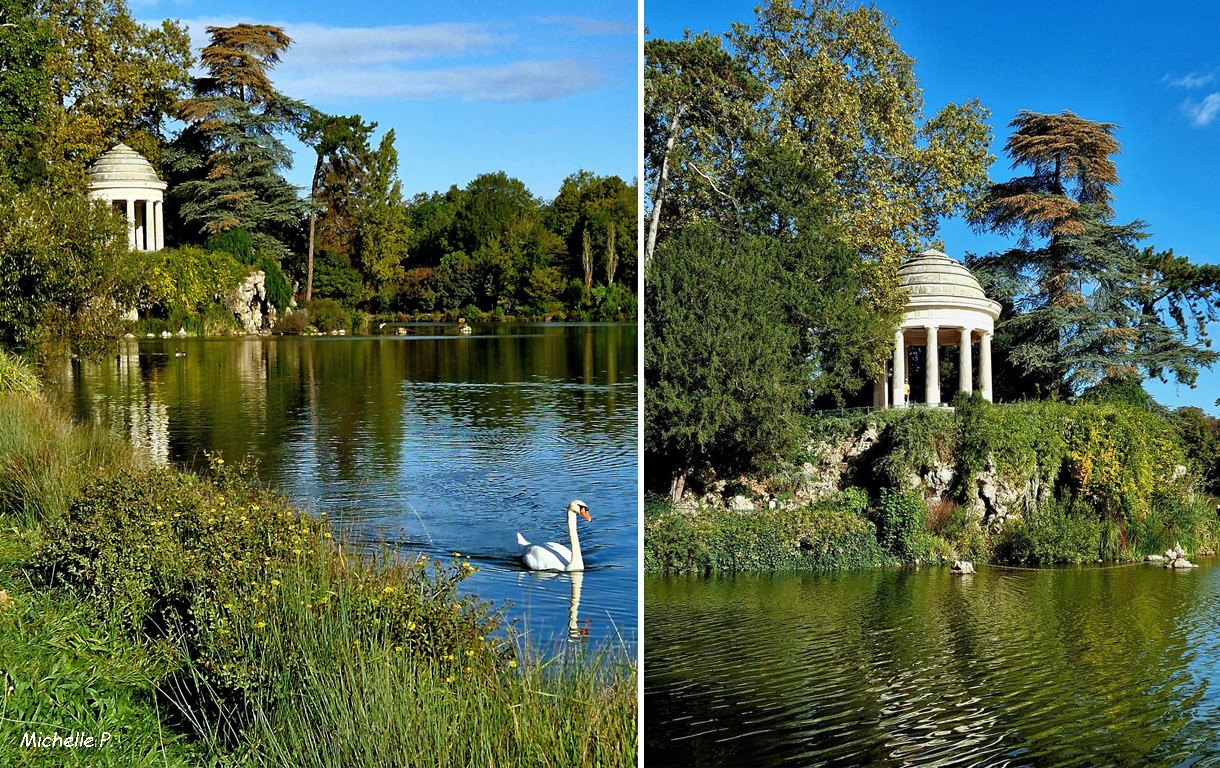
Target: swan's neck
x=578, y=563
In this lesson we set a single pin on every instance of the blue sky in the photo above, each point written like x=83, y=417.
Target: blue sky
x=1154, y=69
x=538, y=90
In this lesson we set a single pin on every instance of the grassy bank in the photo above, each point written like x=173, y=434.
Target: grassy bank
x=1069, y=483
x=205, y=621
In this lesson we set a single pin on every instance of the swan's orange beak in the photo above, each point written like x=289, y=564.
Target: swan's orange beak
x=584, y=512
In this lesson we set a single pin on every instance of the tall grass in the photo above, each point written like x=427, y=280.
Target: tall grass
x=16, y=375
x=45, y=459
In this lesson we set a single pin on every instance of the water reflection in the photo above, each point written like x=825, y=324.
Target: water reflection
x=1062, y=667
x=436, y=441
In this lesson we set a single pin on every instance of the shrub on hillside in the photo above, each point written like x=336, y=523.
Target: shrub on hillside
x=327, y=315
x=902, y=524
x=820, y=536
x=1065, y=532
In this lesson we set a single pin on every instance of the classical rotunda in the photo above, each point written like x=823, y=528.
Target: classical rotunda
x=945, y=306
x=124, y=178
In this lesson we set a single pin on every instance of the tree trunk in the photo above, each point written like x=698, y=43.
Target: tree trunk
x=313, y=216
x=586, y=260
x=677, y=485
x=658, y=196
x=611, y=256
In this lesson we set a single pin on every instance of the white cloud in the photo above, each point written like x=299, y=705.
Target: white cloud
x=332, y=63
x=518, y=81
x=1202, y=112
x=586, y=26
x=1190, y=81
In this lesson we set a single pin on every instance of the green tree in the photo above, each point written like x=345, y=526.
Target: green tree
x=722, y=384
x=843, y=95
x=341, y=144
x=110, y=79
x=597, y=204
x=1088, y=302
x=60, y=260
x=843, y=333
x=25, y=44
x=229, y=156
x=382, y=217
x=699, y=107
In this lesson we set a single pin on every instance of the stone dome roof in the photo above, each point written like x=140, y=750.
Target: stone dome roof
x=934, y=278
x=122, y=166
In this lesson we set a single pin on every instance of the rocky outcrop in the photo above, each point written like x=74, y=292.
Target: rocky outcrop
x=249, y=303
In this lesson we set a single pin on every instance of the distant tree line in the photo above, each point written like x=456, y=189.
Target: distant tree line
x=78, y=76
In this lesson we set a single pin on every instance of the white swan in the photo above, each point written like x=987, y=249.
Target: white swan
x=553, y=556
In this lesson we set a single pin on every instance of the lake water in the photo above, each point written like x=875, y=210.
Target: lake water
x=432, y=441
x=1062, y=667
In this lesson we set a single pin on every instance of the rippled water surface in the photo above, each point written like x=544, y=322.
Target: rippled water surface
x=432, y=441
x=1088, y=667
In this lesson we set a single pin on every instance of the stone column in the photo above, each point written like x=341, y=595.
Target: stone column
x=879, y=392
x=900, y=373
x=150, y=225
x=985, y=364
x=965, y=376
x=160, y=216
x=131, y=223
x=142, y=225
x=932, y=367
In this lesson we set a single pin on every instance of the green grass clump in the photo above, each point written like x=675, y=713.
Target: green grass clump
x=17, y=376
x=45, y=459
x=822, y=536
x=61, y=670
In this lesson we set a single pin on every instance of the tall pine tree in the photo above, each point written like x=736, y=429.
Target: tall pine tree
x=1088, y=302
x=229, y=157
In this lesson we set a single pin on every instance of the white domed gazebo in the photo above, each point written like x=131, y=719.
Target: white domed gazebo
x=124, y=178
x=945, y=305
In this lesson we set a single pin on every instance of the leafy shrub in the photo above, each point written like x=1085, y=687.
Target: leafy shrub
x=1126, y=392
x=279, y=292
x=916, y=440
x=816, y=537
x=178, y=283
x=1064, y=532
x=291, y=324
x=234, y=568
x=902, y=524
x=327, y=315
x=614, y=302
x=334, y=277
x=236, y=242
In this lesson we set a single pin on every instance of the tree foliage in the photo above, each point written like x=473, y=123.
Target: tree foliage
x=1088, y=302
x=110, y=79
x=383, y=229
x=60, y=257
x=700, y=106
x=25, y=45
x=229, y=157
x=829, y=83
x=341, y=144
x=722, y=378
